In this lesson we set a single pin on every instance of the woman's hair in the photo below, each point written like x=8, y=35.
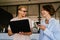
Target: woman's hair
x=49, y=8
x=19, y=7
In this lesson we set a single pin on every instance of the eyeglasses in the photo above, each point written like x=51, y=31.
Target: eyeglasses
x=23, y=10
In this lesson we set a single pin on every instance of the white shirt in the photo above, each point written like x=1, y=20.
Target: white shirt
x=18, y=36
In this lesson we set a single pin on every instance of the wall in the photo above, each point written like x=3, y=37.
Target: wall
x=17, y=2
x=33, y=10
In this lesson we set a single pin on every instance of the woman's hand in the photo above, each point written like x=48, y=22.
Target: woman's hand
x=25, y=33
x=21, y=33
x=41, y=27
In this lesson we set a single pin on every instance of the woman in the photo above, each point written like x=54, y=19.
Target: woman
x=22, y=11
x=50, y=29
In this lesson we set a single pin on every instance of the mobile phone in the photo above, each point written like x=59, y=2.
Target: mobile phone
x=37, y=23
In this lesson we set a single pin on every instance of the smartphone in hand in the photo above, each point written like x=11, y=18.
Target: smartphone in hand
x=37, y=23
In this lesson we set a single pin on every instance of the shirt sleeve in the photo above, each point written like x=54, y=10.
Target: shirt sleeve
x=49, y=34
x=53, y=32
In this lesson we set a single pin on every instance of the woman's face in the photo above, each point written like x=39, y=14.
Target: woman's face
x=44, y=13
x=22, y=12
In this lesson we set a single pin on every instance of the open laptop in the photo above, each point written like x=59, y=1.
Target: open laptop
x=20, y=26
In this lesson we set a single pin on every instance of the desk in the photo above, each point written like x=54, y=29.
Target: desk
x=4, y=36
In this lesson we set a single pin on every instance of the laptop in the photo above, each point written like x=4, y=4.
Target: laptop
x=20, y=26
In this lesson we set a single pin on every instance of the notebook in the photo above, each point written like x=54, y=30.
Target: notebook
x=20, y=26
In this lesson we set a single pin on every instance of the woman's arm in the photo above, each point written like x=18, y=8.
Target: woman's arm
x=48, y=31
x=50, y=34
x=53, y=32
x=9, y=31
